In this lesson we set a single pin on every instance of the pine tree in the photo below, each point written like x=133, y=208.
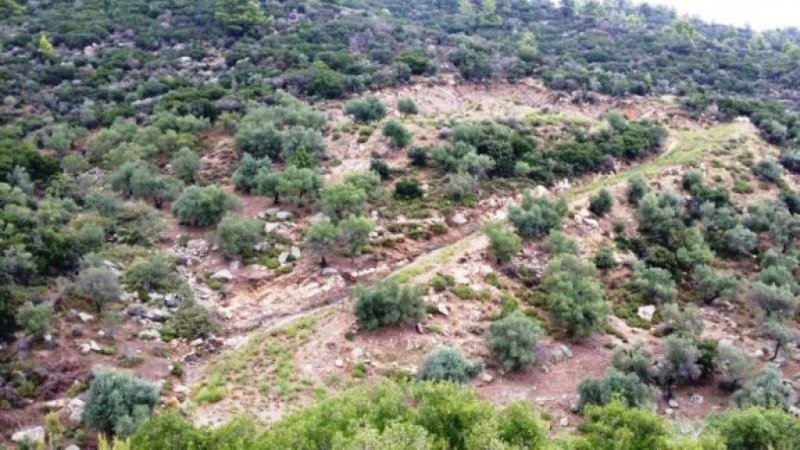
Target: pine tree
x=45, y=48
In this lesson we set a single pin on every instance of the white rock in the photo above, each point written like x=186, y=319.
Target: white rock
x=328, y=271
x=295, y=252
x=271, y=226
x=339, y=362
x=283, y=215
x=697, y=399
x=72, y=447
x=646, y=312
x=283, y=258
x=85, y=317
x=673, y=404
x=223, y=275
x=564, y=422
x=458, y=219
x=149, y=335
x=75, y=409
x=487, y=377
x=33, y=435
x=442, y=308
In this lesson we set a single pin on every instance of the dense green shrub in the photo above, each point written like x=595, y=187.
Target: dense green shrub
x=447, y=364
x=512, y=339
x=202, y=206
x=408, y=189
x=604, y=258
x=407, y=106
x=118, y=402
x=601, y=203
x=537, y=216
x=613, y=385
x=397, y=134
x=740, y=241
x=98, y=284
x=342, y=200
x=186, y=164
x=753, y=428
x=614, y=425
x=153, y=272
x=35, y=319
x=637, y=189
x=353, y=233
x=504, y=243
x=237, y=236
x=681, y=363
x=559, y=243
x=387, y=303
x=189, y=322
x=653, y=284
x=244, y=177
x=766, y=390
x=731, y=366
x=321, y=238
x=635, y=359
x=768, y=170
x=365, y=110
x=574, y=297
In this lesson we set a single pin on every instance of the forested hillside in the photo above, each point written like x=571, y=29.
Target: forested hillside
x=402, y=224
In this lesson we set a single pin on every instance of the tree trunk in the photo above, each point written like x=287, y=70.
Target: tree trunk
x=323, y=262
x=777, y=350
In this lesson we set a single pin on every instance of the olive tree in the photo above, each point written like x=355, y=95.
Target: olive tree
x=512, y=339
x=98, y=284
x=574, y=297
x=447, y=364
x=321, y=238
x=202, y=206
x=387, y=303
x=118, y=402
x=505, y=244
x=237, y=236
x=536, y=216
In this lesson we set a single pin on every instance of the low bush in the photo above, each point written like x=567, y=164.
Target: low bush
x=447, y=364
x=387, y=303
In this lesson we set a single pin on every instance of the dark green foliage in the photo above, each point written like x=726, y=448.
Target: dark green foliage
x=343, y=200
x=614, y=425
x=512, y=340
x=398, y=136
x=637, y=188
x=408, y=189
x=236, y=236
x=756, y=428
x=189, y=322
x=558, y=243
x=35, y=319
x=418, y=156
x=447, y=364
x=380, y=167
x=504, y=243
x=321, y=238
x=613, y=385
x=202, y=206
x=635, y=359
x=186, y=164
x=472, y=62
x=768, y=170
x=118, y=402
x=407, y=106
x=365, y=110
x=244, y=177
x=681, y=362
x=766, y=390
x=574, y=297
x=98, y=284
x=537, y=216
x=601, y=203
x=653, y=284
x=604, y=258
x=387, y=303
x=731, y=366
x=153, y=272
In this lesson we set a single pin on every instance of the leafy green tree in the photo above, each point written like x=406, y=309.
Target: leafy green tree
x=635, y=359
x=118, y=402
x=613, y=386
x=681, y=357
x=398, y=136
x=769, y=170
x=147, y=185
x=366, y=109
x=766, y=390
x=186, y=164
x=731, y=366
x=472, y=62
x=408, y=189
x=740, y=241
x=558, y=243
x=244, y=177
x=354, y=233
x=537, y=216
x=324, y=81
x=237, y=236
x=601, y=203
x=240, y=16
x=637, y=189
x=709, y=284
x=653, y=284
x=447, y=364
x=615, y=425
x=45, y=48
x=35, y=319
x=297, y=185
x=574, y=298
x=407, y=106
x=189, y=322
x=266, y=183
x=153, y=272
x=684, y=322
x=387, y=303
x=10, y=8
x=202, y=206
x=504, y=243
x=752, y=428
x=604, y=258
x=512, y=340
x=343, y=200
x=321, y=238
x=98, y=284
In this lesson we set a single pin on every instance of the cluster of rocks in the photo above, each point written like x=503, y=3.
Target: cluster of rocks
x=586, y=218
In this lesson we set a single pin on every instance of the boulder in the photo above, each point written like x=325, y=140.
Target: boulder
x=156, y=315
x=295, y=252
x=646, y=312
x=223, y=275
x=85, y=317
x=283, y=258
x=458, y=219
x=75, y=409
x=31, y=436
x=283, y=215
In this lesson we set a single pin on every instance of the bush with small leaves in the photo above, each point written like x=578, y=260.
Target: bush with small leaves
x=604, y=258
x=756, y=428
x=618, y=426
x=653, y=284
x=408, y=189
x=147, y=185
x=710, y=284
x=298, y=185
x=601, y=203
x=342, y=200
x=153, y=272
x=365, y=110
x=637, y=189
x=447, y=364
x=504, y=243
x=691, y=178
x=418, y=156
x=118, y=402
x=512, y=340
x=537, y=216
x=461, y=186
x=731, y=366
x=237, y=236
x=574, y=297
x=35, y=319
x=768, y=170
x=387, y=303
x=244, y=177
x=321, y=238
x=636, y=360
x=774, y=302
x=98, y=284
x=681, y=322
x=397, y=134
x=766, y=390
x=202, y=206
x=613, y=385
x=407, y=106
x=740, y=241
x=380, y=167
x=559, y=243
x=186, y=164
x=680, y=366
x=353, y=233
x=189, y=322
